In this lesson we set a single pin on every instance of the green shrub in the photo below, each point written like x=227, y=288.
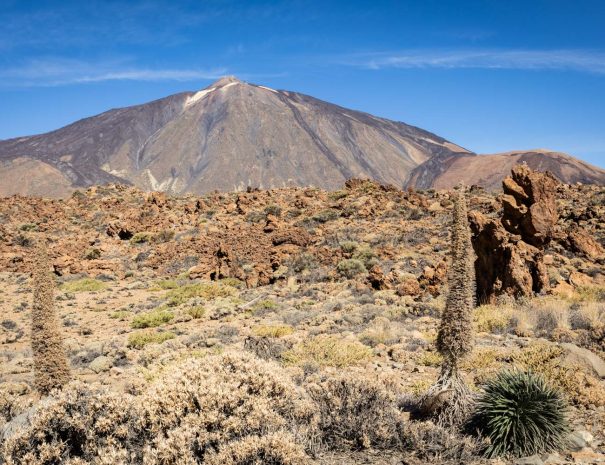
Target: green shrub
x=256, y=217
x=83, y=285
x=266, y=304
x=350, y=268
x=521, y=415
x=366, y=256
x=141, y=238
x=140, y=339
x=92, y=254
x=120, y=315
x=152, y=319
x=28, y=227
x=325, y=215
x=302, y=262
x=196, y=312
x=273, y=209
x=233, y=282
x=349, y=246
x=165, y=235
x=492, y=319
x=164, y=284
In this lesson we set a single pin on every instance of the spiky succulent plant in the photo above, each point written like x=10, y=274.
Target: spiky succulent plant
x=520, y=415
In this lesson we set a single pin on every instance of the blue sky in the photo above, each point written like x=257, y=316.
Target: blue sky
x=490, y=75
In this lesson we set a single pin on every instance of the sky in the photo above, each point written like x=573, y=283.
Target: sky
x=489, y=75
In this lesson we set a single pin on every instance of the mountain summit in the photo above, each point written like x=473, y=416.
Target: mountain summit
x=229, y=136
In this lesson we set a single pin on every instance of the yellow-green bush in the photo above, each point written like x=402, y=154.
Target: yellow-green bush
x=84, y=285
x=492, y=319
x=328, y=350
x=152, y=319
x=120, y=315
x=164, y=284
x=207, y=291
x=273, y=331
x=140, y=339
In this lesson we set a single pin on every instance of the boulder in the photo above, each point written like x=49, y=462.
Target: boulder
x=409, y=286
x=578, y=440
x=377, y=279
x=580, y=242
x=101, y=364
x=585, y=358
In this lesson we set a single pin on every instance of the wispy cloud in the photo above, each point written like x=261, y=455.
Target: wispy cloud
x=576, y=60
x=59, y=71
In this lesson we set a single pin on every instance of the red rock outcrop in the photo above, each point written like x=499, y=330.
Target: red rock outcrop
x=530, y=205
x=505, y=264
x=509, y=250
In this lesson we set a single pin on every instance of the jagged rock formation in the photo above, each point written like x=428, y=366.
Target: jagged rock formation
x=509, y=256
x=505, y=264
x=530, y=205
x=233, y=135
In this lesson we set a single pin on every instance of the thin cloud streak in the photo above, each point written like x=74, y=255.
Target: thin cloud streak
x=57, y=72
x=572, y=60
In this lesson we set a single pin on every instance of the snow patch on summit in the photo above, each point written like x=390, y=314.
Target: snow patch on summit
x=269, y=89
x=198, y=96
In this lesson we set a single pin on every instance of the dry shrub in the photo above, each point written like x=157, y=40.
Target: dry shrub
x=548, y=360
x=228, y=409
x=381, y=331
x=272, y=449
x=267, y=348
x=204, y=407
x=485, y=362
x=549, y=319
x=79, y=423
x=586, y=315
x=10, y=405
x=435, y=444
x=548, y=315
x=357, y=411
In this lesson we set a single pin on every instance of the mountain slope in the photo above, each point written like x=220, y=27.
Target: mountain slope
x=233, y=135
x=446, y=171
x=228, y=136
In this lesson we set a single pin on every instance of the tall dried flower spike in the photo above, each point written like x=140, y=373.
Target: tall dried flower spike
x=448, y=401
x=51, y=369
